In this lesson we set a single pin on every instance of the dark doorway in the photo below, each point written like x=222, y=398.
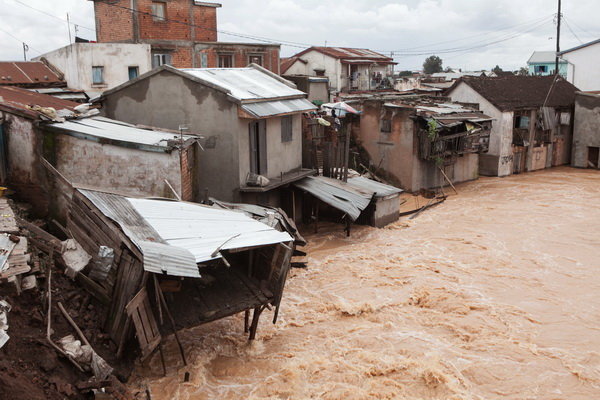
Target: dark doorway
x=258, y=147
x=593, y=153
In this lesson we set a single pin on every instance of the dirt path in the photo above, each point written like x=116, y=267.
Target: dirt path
x=493, y=294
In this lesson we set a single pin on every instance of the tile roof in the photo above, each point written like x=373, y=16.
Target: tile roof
x=350, y=54
x=286, y=63
x=522, y=92
x=30, y=73
x=17, y=99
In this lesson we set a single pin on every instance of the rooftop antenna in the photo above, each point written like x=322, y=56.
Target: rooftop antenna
x=558, y=17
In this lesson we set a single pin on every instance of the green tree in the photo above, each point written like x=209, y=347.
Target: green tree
x=405, y=73
x=432, y=65
x=497, y=70
x=523, y=71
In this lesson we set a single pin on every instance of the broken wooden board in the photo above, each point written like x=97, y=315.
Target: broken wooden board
x=17, y=260
x=140, y=312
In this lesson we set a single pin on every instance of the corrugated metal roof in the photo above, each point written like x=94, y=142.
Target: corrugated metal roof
x=350, y=53
x=105, y=128
x=380, y=189
x=278, y=107
x=342, y=196
x=201, y=229
x=174, y=236
x=30, y=73
x=543, y=57
x=18, y=99
x=245, y=83
x=159, y=256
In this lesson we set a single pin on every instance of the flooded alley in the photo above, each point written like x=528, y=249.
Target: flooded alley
x=492, y=294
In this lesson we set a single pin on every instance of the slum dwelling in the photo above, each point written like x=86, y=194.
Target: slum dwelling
x=162, y=265
x=421, y=143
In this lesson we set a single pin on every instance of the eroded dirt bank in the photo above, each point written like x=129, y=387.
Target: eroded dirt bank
x=493, y=294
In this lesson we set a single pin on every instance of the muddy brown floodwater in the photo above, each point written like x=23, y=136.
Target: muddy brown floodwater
x=494, y=294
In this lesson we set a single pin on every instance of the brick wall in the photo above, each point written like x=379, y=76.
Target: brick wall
x=206, y=20
x=117, y=24
x=181, y=57
x=187, y=166
x=113, y=24
x=241, y=54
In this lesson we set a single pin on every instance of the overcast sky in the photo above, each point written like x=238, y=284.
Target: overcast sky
x=468, y=34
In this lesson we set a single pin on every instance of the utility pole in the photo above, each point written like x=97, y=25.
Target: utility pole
x=558, y=36
x=25, y=49
x=69, y=28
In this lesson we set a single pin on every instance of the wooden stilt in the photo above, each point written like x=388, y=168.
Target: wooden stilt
x=246, y=321
x=255, y=316
x=348, y=224
x=170, y=316
x=162, y=359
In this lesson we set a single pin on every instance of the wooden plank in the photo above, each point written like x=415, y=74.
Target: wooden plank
x=95, y=289
x=140, y=311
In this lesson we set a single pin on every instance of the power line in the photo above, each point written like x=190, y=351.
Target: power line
x=461, y=49
x=21, y=41
x=571, y=30
x=53, y=16
x=495, y=31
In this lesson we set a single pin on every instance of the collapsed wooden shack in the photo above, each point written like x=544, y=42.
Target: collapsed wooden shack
x=186, y=263
x=358, y=200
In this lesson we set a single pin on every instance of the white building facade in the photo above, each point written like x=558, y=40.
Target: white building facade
x=584, y=66
x=347, y=69
x=96, y=67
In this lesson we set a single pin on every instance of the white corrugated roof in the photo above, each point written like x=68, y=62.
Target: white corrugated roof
x=174, y=236
x=202, y=229
x=349, y=199
x=542, y=57
x=105, y=128
x=278, y=107
x=245, y=83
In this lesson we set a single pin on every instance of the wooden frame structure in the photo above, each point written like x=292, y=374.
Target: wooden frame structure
x=243, y=280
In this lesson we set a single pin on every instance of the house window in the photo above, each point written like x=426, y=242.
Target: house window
x=522, y=122
x=97, y=75
x=386, y=125
x=159, y=11
x=287, y=126
x=160, y=59
x=225, y=61
x=255, y=59
x=541, y=69
x=134, y=72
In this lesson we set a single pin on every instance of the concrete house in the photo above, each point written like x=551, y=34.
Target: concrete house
x=251, y=119
x=347, y=69
x=96, y=67
x=39, y=132
x=543, y=63
x=191, y=44
x=586, y=132
x=583, y=62
x=532, y=126
x=411, y=140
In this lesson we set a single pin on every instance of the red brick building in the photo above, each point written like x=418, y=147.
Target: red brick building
x=182, y=33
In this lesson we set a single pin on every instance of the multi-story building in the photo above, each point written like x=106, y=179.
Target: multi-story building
x=182, y=33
